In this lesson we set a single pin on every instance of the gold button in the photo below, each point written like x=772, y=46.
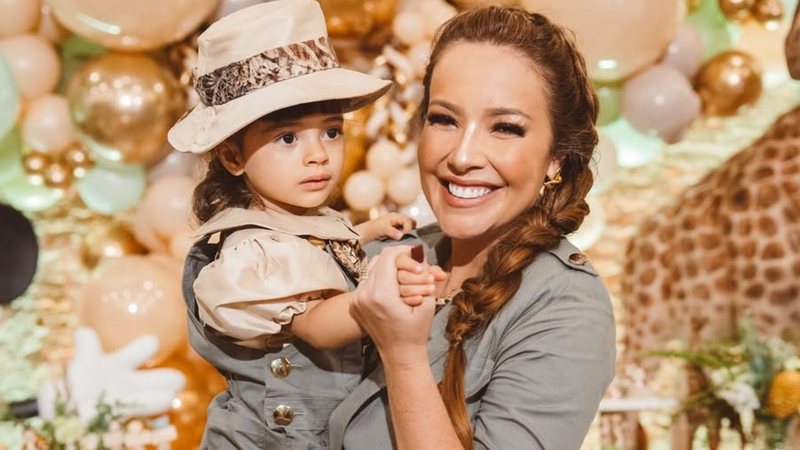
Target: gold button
x=578, y=259
x=283, y=415
x=280, y=367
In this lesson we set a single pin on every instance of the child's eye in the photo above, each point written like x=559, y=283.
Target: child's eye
x=441, y=119
x=287, y=138
x=333, y=133
x=509, y=129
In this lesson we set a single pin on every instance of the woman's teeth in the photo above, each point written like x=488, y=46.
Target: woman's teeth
x=467, y=192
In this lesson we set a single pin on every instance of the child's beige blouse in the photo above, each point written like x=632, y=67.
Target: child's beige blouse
x=268, y=267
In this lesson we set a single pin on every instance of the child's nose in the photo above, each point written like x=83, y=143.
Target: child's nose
x=316, y=154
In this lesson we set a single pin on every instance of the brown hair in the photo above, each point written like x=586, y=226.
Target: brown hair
x=572, y=107
x=221, y=189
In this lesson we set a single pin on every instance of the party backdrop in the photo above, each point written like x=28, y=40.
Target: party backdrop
x=95, y=205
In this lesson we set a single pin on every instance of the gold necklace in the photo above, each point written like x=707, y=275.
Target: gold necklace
x=451, y=293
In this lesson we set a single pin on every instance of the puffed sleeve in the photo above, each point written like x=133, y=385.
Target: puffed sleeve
x=553, y=364
x=260, y=280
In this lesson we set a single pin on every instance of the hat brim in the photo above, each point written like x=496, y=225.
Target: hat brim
x=204, y=127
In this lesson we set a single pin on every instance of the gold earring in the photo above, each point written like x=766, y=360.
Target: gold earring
x=555, y=181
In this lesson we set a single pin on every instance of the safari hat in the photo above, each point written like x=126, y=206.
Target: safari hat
x=261, y=59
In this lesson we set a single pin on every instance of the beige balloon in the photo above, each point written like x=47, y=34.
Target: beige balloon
x=133, y=25
x=146, y=235
x=180, y=243
x=404, y=187
x=384, y=158
x=167, y=204
x=18, y=16
x=50, y=27
x=132, y=296
x=33, y=61
x=363, y=190
x=47, y=126
x=617, y=37
x=123, y=105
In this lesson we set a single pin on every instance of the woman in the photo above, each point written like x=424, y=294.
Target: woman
x=526, y=347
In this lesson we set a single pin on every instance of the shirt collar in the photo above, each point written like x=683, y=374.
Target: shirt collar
x=328, y=224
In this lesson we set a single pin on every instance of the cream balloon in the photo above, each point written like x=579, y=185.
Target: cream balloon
x=404, y=187
x=384, y=158
x=34, y=63
x=132, y=296
x=133, y=25
x=363, y=190
x=167, y=204
x=180, y=243
x=18, y=16
x=617, y=37
x=47, y=126
x=146, y=235
x=685, y=52
x=409, y=28
x=604, y=163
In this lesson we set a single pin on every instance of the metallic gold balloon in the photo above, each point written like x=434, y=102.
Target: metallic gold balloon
x=35, y=163
x=112, y=240
x=123, y=105
x=132, y=25
x=57, y=175
x=736, y=10
x=188, y=411
x=355, y=19
x=727, y=82
x=692, y=5
x=768, y=12
x=78, y=160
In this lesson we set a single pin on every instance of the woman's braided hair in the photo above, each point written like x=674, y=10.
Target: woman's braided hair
x=572, y=107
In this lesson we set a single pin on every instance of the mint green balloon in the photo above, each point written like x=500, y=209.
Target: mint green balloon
x=10, y=156
x=610, y=96
x=9, y=98
x=20, y=193
x=633, y=148
x=108, y=189
x=717, y=32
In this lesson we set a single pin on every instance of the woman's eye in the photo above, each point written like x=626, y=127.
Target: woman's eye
x=509, y=129
x=288, y=138
x=441, y=119
x=333, y=133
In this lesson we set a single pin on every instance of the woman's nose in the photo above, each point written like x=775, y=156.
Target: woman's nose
x=467, y=153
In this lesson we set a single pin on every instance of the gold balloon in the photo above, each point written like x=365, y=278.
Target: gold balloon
x=35, y=163
x=57, y=175
x=768, y=12
x=692, y=5
x=78, y=160
x=736, y=10
x=188, y=411
x=727, y=82
x=132, y=25
x=112, y=240
x=355, y=19
x=123, y=105
x=355, y=143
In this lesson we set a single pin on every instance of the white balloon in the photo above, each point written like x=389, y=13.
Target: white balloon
x=604, y=164
x=420, y=211
x=363, y=190
x=404, y=187
x=384, y=158
x=409, y=27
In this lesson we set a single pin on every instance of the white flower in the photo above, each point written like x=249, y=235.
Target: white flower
x=792, y=363
x=68, y=429
x=12, y=436
x=741, y=396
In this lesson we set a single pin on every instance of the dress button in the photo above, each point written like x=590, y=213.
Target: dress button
x=280, y=367
x=283, y=415
x=578, y=259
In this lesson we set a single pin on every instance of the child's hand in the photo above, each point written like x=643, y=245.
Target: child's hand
x=392, y=225
x=416, y=280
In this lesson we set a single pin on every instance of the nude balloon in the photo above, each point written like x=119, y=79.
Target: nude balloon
x=660, y=100
x=34, y=63
x=18, y=16
x=167, y=204
x=47, y=126
x=685, y=52
x=363, y=190
x=131, y=296
x=617, y=37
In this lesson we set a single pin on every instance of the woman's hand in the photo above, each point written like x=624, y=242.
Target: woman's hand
x=399, y=331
